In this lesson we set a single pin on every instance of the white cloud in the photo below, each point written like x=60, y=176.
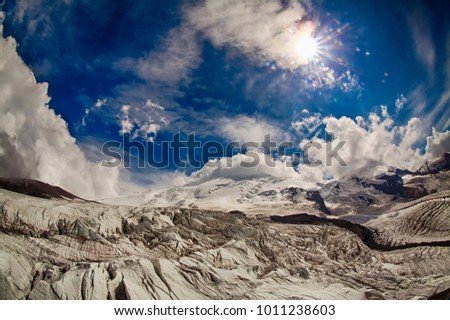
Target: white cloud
x=269, y=31
x=423, y=41
x=400, y=102
x=262, y=29
x=100, y=103
x=412, y=133
x=97, y=105
x=2, y=17
x=143, y=121
x=36, y=141
x=178, y=56
x=234, y=168
x=308, y=123
x=384, y=111
x=161, y=72
x=372, y=145
x=437, y=143
x=243, y=128
x=427, y=100
x=29, y=13
x=442, y=110
x=152, y=105
x=160, y=178
x=125, y=123
x=349, y=82
x=321, y=76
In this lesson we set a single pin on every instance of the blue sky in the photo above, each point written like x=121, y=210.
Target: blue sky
x=212, y=70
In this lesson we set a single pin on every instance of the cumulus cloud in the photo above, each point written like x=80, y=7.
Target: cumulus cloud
x=371, y=145
x=236, y=168
x=143, y=121
x=262, y=29
x=437, y=143
x=244, y=128
x=35, y=142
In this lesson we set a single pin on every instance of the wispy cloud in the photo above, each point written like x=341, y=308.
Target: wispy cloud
x=95, y=107
x=177, y=56
x=423, y=41
x=430, y=100
x=143, y=121
x=2, y=18
x=307, y=123
x=262, y=29
x=443, y=106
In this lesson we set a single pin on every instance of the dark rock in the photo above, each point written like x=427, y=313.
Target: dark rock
x=442, y=163
x=237, y=213
x=315, y=196
x=389, y=184
x=303, y=273
x=364, y=233
x=291, y=192
x=268, y=193
x=441, y=295
x=414, y=192
x=360, y=182
x=402, y=172
x=35, y=188
x=374, y=295
x=367, y=201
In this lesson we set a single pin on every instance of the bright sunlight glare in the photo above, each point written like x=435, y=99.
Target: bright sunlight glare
x=307, y=47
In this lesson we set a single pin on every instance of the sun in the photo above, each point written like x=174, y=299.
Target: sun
x=307, y=47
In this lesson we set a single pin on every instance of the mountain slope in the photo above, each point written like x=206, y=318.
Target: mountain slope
x=35, y=188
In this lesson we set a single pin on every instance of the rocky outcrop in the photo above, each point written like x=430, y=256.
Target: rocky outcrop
x=317, y=198
x=35, y=188
x=439, y=164
x=388, y=183
x=414, y=191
